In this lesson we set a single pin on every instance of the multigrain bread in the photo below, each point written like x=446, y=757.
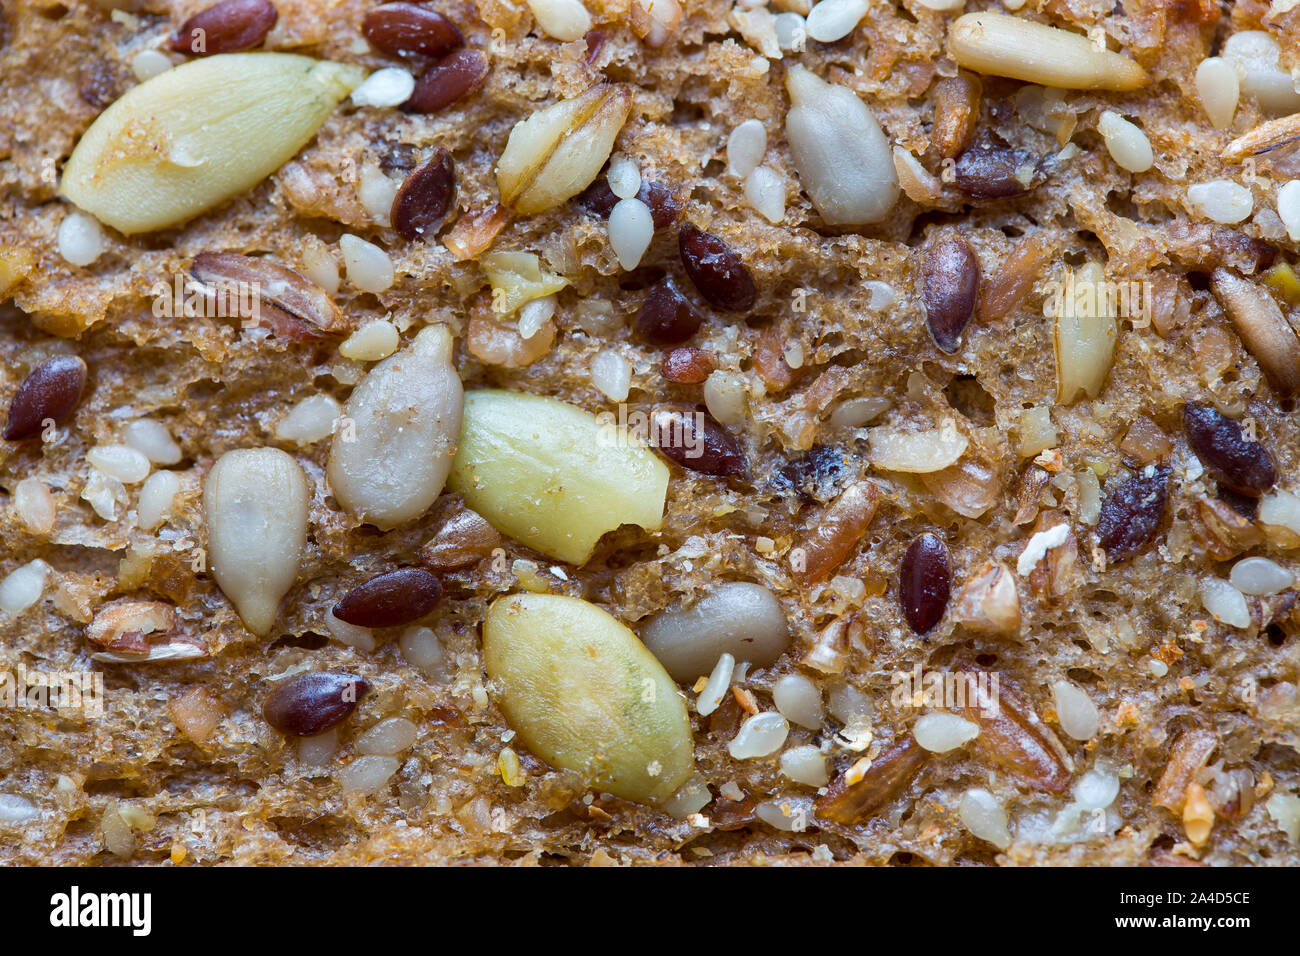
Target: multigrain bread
x=855, y=339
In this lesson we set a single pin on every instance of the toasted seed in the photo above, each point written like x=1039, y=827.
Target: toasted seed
x=410, y=28
x=851, y=801
x=465, y=538
x=716, y=271
x=312, y=703
x=425, y=197
x=390, y=599
x=695, y=440
x=688, y=365
x=1008, y=289
x=1243, y=465
x=1002, y=45
x=1132, y=513
x=834, y=535
x=970, y=487
x=126, y=625
x=992, y=171
x=1084, y=333
x=52, y=390
x=226, y=27
x=950, y=283
x=918, y=452
x=1270, y=135
x=956, y=112
x=1262, y=327
x=255, y=501
x=407, y=415
x=578, y=478
x=1014, y=737
x=844, y=159
x=289, y=304
x=989, y=602
x=448, y=80
x=193, y=137
x=925, y=582
x=585, y=695
x=666, y=317
x=1188, y=755
x=558, y=151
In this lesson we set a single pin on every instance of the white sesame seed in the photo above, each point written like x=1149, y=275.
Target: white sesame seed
x=149, y=63
x=81, y=239
x=34, y=505
x=624, y=177
x=940, y=732
x=631, y=227
x=153, y=440
x=1221, y=200
x=121, y=462
x=942, y=6
x=1127, y=143
x=1288, y=208
x=376, y=192
x=1260, y=576
x=1225, y=602
x=611, y=374
x=745, y=147
x=984, y=817
x=806, y=765
x=373, y=341
x=311, y=420
x=833, y=20
x=765, y=191
x=390, y=86
x=318, y=265
x=564, y=20
x=157, y=497
x=759, y=736
x=368, y=266
x=23, y=587
x=798, y=700
x=1075, y=710
x=535, y=314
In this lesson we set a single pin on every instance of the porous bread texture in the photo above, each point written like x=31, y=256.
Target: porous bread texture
x=244, y=797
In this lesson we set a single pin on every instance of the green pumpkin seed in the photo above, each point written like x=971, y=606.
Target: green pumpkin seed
x=191, y=138
x=585, y=695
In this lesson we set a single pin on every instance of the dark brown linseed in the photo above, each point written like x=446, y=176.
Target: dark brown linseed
x=226, y=27
x=313, y=703
x=403, y=28
x=50, y=392
x=425, y=197
x=447, y=80
x=390, y=599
